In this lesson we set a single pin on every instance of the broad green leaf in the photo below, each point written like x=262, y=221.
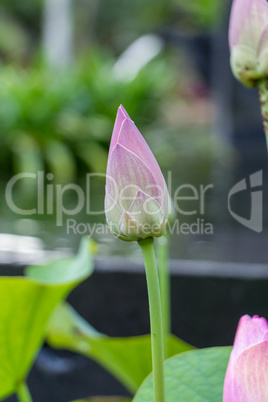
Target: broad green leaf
x=26, y=305
x=195, y=376
x=105, y=399
x=128, y=359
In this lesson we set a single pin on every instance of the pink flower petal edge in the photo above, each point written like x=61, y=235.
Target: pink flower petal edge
x=120, y=117
x=246, y=378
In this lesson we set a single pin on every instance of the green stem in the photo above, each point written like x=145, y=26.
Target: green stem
x=263, y=95
x=147, y=247
x=164, y=280
x=23, y=393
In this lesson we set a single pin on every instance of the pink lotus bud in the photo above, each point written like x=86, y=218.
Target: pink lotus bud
x=136, y=199
x=248, y=40
x=246, y=378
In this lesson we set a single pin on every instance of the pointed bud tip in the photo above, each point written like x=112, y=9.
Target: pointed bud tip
x=122, y=110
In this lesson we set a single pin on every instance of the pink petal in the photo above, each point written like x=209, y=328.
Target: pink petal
x=251, y=374
x=248, y=19
x=249, y=331
x=120, y=117
x=131, y=175
x=130, y=138
x=229, y=383
x=239, y=13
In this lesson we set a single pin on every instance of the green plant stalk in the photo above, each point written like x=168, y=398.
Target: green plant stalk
x=23, y=393
x=263, y=96
x=162, y=251
x=147, y=247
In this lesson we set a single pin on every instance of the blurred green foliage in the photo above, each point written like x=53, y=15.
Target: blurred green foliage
x=204, y=14
x=106, y=23
x=113, y=18
x=27, y=12
x=62, y=122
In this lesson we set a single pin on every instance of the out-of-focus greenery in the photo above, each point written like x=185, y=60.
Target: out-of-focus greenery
x=27, y=13
x=204, y=14
x=134, y=18
x=20, y=29
x=13, y=39
x=113, y=18
x=104, y=23
x=62, y=122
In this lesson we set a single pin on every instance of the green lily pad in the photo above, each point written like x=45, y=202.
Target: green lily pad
x=128, y=359
x=195, y=376
x=26, y=305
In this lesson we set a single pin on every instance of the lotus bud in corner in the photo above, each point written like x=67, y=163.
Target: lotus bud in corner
x=246, y=378
x=248, y=40
x=137, y=202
